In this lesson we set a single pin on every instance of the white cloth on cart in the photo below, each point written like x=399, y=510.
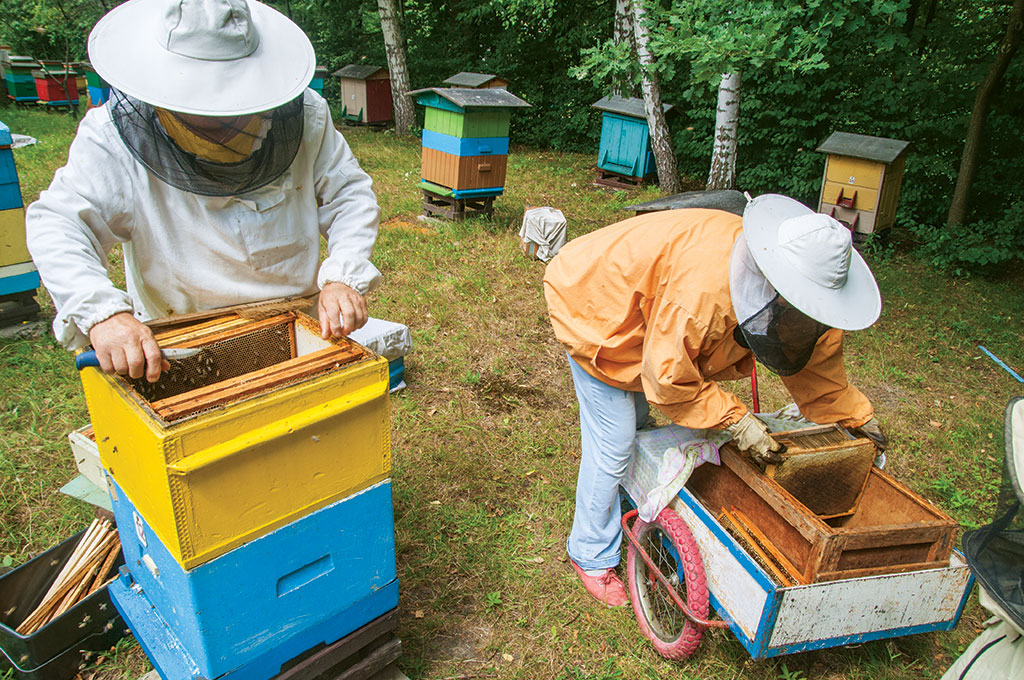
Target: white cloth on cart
x=665, y=457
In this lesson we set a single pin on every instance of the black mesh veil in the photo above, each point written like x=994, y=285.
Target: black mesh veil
x=149, y=143
x=995, y=552
x=781, y=336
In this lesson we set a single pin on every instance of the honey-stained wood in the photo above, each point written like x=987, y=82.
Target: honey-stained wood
x=253, y=311
x=167, y=338
x=234, y=389
x=825, y=468
x=893, y=530
x=792, y=573
x=233, y=331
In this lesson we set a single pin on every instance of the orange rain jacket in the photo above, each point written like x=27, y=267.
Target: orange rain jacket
x=643, y=305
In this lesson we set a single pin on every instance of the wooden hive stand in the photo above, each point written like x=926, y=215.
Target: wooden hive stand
x=607, y=178
x=456, y=209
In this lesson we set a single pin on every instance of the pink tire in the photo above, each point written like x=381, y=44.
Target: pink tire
x=659, y=618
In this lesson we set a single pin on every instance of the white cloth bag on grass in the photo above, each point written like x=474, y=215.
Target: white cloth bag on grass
x=543, y=232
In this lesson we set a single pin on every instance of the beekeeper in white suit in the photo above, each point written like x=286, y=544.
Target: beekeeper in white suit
x=218, y=171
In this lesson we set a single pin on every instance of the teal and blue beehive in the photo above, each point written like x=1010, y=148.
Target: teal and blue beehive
x=97, y=89
x=465, y=139
x=625, y=137
x=21, y=86
x=317, y=83
x=18, y=275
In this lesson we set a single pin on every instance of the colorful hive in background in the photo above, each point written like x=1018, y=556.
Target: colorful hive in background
x=625, y=137
x=21, y=85
x=18, y=276
x=5, y=57
x=862, y=181
x=365, y=93
x=475, y=80
x=465, y=139
x=251, y=490
x=56, y=87
x=97, y=89
x=317, y=83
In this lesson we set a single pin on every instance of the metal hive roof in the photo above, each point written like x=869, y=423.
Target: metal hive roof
x=469, y=98
x=469, y=79
x=628, y=107
x=357, y=71
x=871, y=148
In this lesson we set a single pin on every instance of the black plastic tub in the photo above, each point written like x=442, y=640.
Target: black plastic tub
x=57, y=650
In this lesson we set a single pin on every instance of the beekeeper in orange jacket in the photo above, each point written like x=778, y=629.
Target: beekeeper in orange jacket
x=662, y=307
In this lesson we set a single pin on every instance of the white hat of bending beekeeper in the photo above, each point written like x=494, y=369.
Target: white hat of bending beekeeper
x=203, y=57
x=810, y=260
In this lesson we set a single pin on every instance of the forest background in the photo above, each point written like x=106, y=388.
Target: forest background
x=905, y=69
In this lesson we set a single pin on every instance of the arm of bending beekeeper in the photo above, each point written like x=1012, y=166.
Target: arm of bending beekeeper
x=349, y=219
x=670, y=375
x=821, y=389
x=72, y=227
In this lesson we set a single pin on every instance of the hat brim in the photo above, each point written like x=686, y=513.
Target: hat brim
x=853, y=307
x=125, y=50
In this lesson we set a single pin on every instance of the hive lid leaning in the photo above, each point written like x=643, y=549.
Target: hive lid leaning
x=470, y=98
x=628, y=107
x=871, y=148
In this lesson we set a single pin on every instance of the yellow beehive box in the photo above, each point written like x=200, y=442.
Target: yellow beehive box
x=267, y=424
x=12, y=237
x=862, y=181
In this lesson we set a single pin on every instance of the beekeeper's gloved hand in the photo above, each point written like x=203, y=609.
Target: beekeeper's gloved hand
x=751, y=437
x=873, y=431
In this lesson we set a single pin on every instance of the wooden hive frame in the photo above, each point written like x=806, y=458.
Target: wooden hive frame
x=893, y=530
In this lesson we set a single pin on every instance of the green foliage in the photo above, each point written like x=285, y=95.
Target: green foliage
x=891, y=68
x=986, y=245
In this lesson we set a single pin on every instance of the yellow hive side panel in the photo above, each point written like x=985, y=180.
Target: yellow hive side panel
x=132, y=450
x=257, y=465
x=12, y=237
x=857, y=172
x=890, y=193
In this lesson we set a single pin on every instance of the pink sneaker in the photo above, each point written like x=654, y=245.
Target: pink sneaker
x=606, y=588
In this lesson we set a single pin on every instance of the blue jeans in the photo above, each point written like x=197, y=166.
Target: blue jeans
x=608, y=423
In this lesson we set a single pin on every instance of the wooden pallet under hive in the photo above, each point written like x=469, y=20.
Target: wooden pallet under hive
x=892, y=530
x=266, y=424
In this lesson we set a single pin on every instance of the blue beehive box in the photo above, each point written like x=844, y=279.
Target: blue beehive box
x=625, y=137
x=10, y=192
x=244, y=614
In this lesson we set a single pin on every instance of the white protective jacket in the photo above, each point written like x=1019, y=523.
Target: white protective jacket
x=184, y=252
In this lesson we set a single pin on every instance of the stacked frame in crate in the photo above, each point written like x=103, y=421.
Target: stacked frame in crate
x=18, y=276
x=465, y=140
x=251, y=488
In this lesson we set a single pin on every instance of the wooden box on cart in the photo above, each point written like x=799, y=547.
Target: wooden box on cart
x=892, y=529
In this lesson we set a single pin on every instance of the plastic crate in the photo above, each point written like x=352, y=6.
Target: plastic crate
x=212, y=480
x=55, y=651
x=330, y=573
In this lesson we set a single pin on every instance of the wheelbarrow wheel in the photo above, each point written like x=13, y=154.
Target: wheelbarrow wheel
x=673, y=550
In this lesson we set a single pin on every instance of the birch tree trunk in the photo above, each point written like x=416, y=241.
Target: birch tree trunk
x=394, y=45
x=661, y=143
x=727, y=120
x=623, y=33
x=975, y=129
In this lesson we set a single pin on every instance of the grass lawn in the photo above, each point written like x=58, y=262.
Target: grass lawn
x=485, y=439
